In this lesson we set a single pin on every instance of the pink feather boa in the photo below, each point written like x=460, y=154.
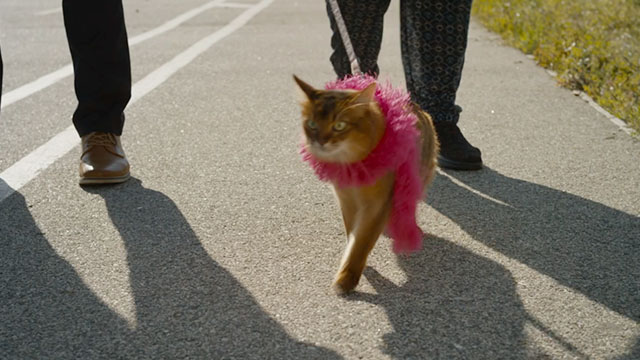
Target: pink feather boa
x=396, y=152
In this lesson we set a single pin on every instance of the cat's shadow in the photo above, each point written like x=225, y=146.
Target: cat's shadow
x=186, y=304
x=454, y=305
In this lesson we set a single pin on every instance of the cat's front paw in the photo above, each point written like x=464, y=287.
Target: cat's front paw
x=345, y=282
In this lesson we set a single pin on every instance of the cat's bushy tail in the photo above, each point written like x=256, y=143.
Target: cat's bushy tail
x=402, y=227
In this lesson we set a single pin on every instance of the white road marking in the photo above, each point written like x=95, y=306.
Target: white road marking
x=35, y=86
x=235, y=5
x=175, y=22
x=27, y=168
x=31, y=165
x=52, y=78
x=161, y=74
x=618, y=122
x=467, y=187
x=49, y=12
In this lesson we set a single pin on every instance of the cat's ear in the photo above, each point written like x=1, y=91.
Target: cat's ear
x=308, y=89
x=366, y=95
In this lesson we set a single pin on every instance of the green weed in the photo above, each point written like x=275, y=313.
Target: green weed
x=593, y=45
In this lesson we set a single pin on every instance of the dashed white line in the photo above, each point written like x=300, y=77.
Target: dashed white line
x=27, y=168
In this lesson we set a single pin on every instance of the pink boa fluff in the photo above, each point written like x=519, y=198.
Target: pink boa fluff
x=396, y=152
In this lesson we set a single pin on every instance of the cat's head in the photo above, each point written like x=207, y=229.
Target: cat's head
x=341, y=126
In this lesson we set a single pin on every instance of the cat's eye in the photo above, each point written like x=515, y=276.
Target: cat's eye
x=339, y=126
x=312, y=124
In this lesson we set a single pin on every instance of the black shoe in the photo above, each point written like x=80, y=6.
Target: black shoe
x=455, y=151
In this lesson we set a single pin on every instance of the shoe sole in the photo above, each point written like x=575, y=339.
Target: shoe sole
x=102, y=181
x=458, y=165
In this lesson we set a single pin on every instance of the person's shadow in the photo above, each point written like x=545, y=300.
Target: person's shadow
x=186, y=305
x=584, y=245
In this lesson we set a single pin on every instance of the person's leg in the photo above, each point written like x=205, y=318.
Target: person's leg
x=364, y=22
x=100, y=52
x=433, y=41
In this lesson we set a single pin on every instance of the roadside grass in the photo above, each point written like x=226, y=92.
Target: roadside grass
x=592, y=45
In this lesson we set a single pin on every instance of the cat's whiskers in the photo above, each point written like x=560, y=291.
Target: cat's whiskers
x=330, y=152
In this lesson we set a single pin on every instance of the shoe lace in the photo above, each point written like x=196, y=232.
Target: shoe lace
x=101, y=139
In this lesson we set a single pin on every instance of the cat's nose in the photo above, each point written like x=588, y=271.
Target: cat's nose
x=323, y=140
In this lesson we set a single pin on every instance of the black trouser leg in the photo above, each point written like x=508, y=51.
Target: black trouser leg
x=434, y=41
x=364, y=20
x=98, y=42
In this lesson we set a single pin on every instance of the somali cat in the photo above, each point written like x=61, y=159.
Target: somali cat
x=344, y=127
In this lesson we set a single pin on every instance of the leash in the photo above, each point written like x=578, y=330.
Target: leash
x=346, y=41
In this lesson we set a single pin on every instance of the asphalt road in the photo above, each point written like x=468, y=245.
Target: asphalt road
x=223, y=245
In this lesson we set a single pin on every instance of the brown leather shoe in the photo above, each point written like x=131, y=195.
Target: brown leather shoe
x=103, y=160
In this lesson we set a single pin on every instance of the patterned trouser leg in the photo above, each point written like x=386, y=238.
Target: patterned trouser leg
x=364, y=21
x=433, y=39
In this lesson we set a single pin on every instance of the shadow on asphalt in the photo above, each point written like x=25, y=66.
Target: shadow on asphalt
x=187, y=306
x=457, y=304
x=582, y=244
x=454, y=305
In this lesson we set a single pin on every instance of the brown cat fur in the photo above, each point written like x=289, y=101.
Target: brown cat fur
x=344, y=126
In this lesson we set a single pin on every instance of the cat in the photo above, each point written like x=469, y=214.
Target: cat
x=342, y=128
